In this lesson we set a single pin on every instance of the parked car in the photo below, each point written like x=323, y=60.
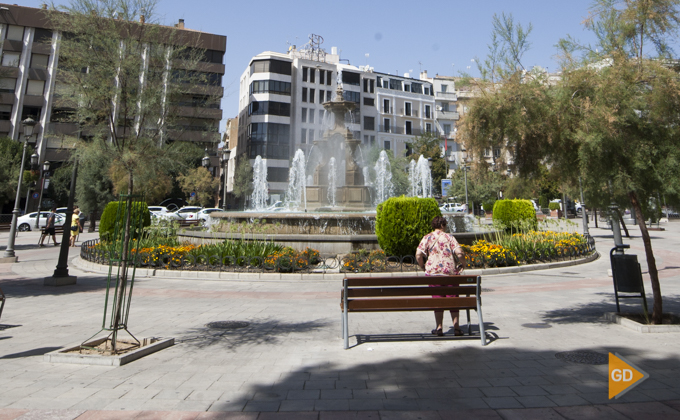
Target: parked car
x=158, y=211
x=182, y=213
x=671, y=214
x=202, y=215
x=452, y=207
x=27, y=221
x=173, y=204
x=62, y=211
x=277, y=206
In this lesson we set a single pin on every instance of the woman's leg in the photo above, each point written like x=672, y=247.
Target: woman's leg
x=439, y=319
x=456, y=327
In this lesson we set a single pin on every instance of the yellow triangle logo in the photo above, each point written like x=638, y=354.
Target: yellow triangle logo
x=623, y=376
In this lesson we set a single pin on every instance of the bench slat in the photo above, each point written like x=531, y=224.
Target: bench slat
x=409, y=281
x=411, y=291
x=417, y=304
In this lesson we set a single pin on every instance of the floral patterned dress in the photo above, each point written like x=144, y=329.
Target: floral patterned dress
x=439, y=249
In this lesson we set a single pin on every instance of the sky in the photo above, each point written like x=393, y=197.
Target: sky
x=399, y=36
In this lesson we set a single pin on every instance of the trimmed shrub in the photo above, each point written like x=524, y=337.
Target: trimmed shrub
x=107, y=224
x=514, y=213
x=401, y=223
x=554, y=206
x=543, y=202
x=488, y=206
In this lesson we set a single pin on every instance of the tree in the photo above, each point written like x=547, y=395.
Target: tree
x=200, y=181
x=243, y=179
x=10, y=165
x=428, y=146
x=399, y=167
x=611, y=119
x=124, y=76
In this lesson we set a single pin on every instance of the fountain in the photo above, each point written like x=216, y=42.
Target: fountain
x=260, y=196
x=296, y=196
x=383, y=179
x=332, y=184
x=420, y=178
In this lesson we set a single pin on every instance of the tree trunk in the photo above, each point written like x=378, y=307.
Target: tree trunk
x=595, y=217
x=93, y=216
x=123, y=264
x=625, y=229
x=651, y=264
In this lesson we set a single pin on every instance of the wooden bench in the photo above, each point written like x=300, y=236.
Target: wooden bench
x=58, y=231
x=188, y=223
x=410, y=293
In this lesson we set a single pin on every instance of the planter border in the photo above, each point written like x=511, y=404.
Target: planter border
x=641, y=328
x=59, y=356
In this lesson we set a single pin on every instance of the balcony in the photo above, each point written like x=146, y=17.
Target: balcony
x=452, y=96
x=448, y=115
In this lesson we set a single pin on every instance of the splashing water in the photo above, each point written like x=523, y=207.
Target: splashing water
x=296, y=197
x=383, y=179
x=332, y=183
x=260, y=196
x=420, y=178
x=412, y=178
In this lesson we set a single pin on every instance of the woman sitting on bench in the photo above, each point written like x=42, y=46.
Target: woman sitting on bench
x=444, y=257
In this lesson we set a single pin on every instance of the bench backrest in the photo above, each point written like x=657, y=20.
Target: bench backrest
x=366, y=294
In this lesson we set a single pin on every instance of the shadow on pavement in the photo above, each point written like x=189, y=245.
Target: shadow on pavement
x=35, y=352
x=593, y=312
x=22, y=287
x=257, y=332
x=463, y=377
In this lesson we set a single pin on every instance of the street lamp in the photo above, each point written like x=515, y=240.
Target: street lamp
x=43, y=174
x=206, y=159
x=584, y=214
x=225, y=166
x=429, y=167
x=9, y=256
x=466, y=168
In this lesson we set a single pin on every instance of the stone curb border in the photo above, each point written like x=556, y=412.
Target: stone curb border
x=232, y=276
x=59, y=356
x=641, y=328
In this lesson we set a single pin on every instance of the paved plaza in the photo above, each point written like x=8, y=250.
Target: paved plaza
x=289, y=362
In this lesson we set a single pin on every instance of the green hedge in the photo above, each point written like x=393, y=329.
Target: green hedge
x=488, y=206
x=513, y=212
x=107, y=223
x=401, y=223
x=554, y=206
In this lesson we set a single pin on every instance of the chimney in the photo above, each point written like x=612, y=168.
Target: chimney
x=141, y=19
x=180, y=25
x=423, y=75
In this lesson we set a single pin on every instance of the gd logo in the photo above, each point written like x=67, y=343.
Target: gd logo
x=623, y=376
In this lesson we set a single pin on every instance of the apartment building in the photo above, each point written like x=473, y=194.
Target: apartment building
x=281, y=106
x=29, y=59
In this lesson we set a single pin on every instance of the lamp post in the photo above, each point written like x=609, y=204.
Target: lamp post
x=206, y=159
x=429, y=166
x=9, y=256
x=43, y=172
x=225, y=166
x=584, y=213
x=466, y=168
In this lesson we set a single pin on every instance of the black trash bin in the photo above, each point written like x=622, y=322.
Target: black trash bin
x=627, y=276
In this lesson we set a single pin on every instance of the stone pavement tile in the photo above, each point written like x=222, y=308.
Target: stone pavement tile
x=524, y=372
x=530, y=414
x=325, y=384
x=503, y=402
x=405, y=415
x=140, y=394
x=660, y=394
x=167, y=415
x=673, y=404
x=228, y=406
x=92, y=403
x=444, y=383
x=479, y=414
x=42, y=404
x=472, y=382
x=451, y=403
x=536, y=401
x=498, y=391
x=360, y=415
x=647, y=410
x=306, y=394
x=350, y=384
x=297, y=405
x=401, y=404
x=652, y=384
x=590, y=412
x=331, y=405
x=78, y=393
x=159, y=405
x=262, y=406
x=633, y=396
x=503, y=381
x=108, y=415
x=336, y=394
x=204, y=395
x=533, y=380
x=567, y=400
x=109, y=393
x=171, y=394
x=529, y=390
x=226, y=416
x=366, y=404
x=562, y=379
x=185, y=405
x=48, y=392
x=560, y=389
x=368, y=393
x=270, y=396
x=11, y=413
x=400, y=393
x=120, y=404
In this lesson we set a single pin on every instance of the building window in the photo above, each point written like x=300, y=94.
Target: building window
x=329, y=96
x=386, y=125
x=409, y=150
x=372, y=138
x=10, y=59
x=15, y=33
x=8, y=84
x=386, y=106
x=39, y=61
x=447, y=129
x=387, y=145
x=311, y=136
x=311, y=116
x=487, y=153
x=271, y=66
x=444, y=88
x=321, y=95
x=417, y=88
x=312, y=75
x=304, y=94
x=35, y=87
x=303, y=115
x=366, y=85
x=322, y=74
x=5, y=112
x=311, y=96
x=369, y=101
x=351, y=78
x=407, y=108
x=445, y=107
x=395, y=84
x=329, y=76
x=428, y=127
x=407, y=88
x=31, y=112
x=428, y=111
x=304, y=74
x=372, y=86
x=497, y=153
x=303, y=136
x=408, y=127
x=269, y=108
x=369, y=123
x=427, y=90
x=270, y=86
x=348, y=95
